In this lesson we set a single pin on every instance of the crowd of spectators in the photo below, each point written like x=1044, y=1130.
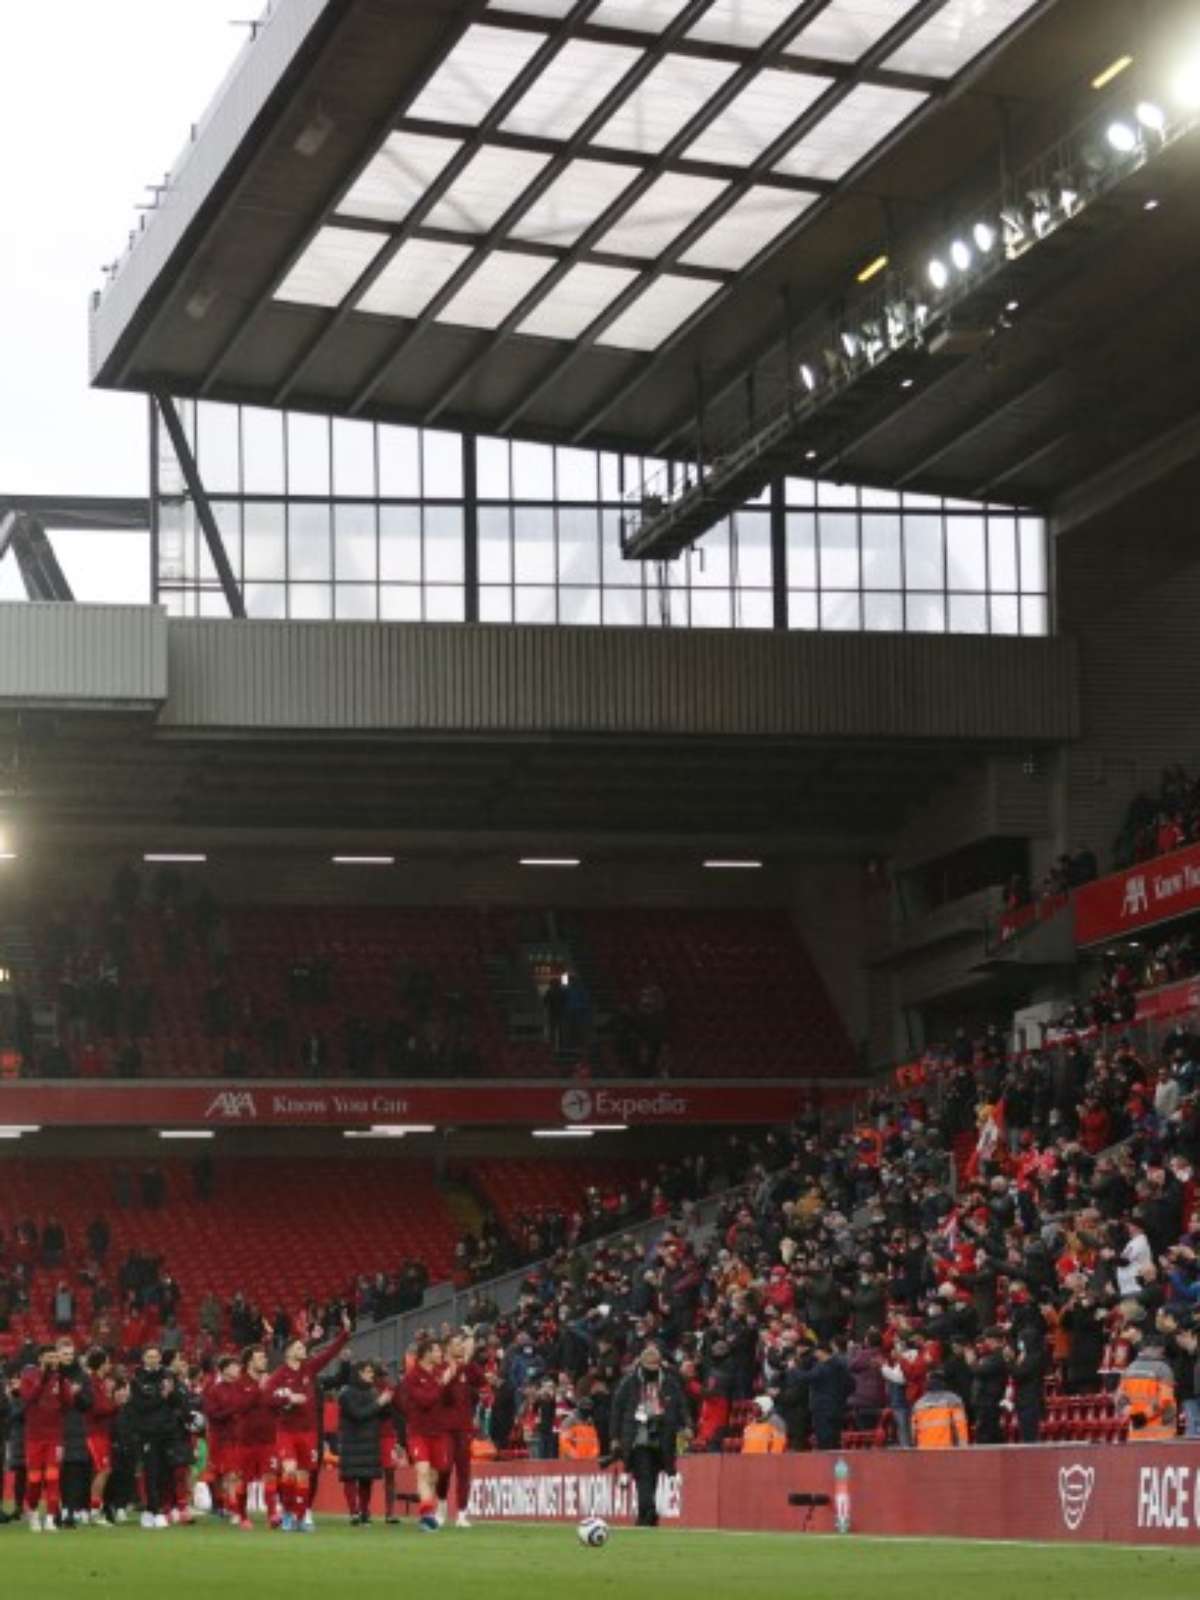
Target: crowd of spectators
x=1156, y=824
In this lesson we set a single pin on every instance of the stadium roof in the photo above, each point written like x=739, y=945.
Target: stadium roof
x=564, y=218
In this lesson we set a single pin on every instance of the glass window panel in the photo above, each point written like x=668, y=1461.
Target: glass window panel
x=836, y=494
x=535, y=603
x=1033, y=554
x=576, y=301
x=495, y=605
x=579, y=608
x=307, y=453
x=331, y=266
x=1035, y=616
x=764, y=109
x=1002, y=555
x=649, y=16
x=966, y=562
x=740, y=22
x=533, y=471
x=968, y=613
x=444, y=603
x=400, y=544
x=491, y=470
x=573, y=201
x=668, y=99
x=398, y=177
x=534, y=8
x=485, y=189
x=668, y=206
x=840, y=613
x=399, y=463
x=850, y=131
x=926, y=613
x=265, y=540
x=576, y=475
x=578, y=546
x=353, y=458
x=847, y=29
x=266, y=602
x=570, y=88
x=310, y=602
x=712, y=608
x=212, y=603
x=262, y=451
x=924, y=567
x=922, y=502
x=753, y=539
x=955, y=34
x=412, y=277
x=881, y=551
x=310, y=542
x=533, y=545
x=801, y=550
x=442, y=456
x=753, y=608
x=710, y=561
x=878, y=499
x=443, y=544
x=400, y=603
x=623, y=608
x=615, y=569
x=356, y=551
x=495, y=544
x=495, y=288
x=839, y=567
x=475, y=74
x=1006, y=616
x=228, y=514
x=746, y=228
x=657, y=312
x=800, y=492
x=356, y=602
x=218, y=448
x=610, y=476
x=883, y=613
x=802, y=610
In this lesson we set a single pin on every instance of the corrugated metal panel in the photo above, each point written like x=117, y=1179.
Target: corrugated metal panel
x=82, y=655
x=366, y=676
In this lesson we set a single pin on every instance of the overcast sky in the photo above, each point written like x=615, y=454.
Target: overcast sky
x=97, y=101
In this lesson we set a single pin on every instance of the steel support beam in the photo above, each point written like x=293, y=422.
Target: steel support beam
x=204, y=511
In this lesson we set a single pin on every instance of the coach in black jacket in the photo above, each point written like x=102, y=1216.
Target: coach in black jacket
x=360, y=1412
x=648, y=1414
x=76, y=1457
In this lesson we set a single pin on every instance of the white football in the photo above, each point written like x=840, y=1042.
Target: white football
x=593, y=1532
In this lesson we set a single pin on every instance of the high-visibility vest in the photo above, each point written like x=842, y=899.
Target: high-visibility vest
x=939, y=1421
x=761, y=1439
x=1146, y=1396
x=579, y=1441
x=482, y=1449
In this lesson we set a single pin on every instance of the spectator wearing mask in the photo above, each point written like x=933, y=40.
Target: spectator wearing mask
x=648, y=1415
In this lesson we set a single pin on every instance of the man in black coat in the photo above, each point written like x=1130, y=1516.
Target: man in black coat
x=829, y=1386
x=648, y=1414
x=361, y=1406
x=1027, y=1369
x=76, y=1457
x=989, y=1380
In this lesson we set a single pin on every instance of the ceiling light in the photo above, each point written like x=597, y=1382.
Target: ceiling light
x=1013, y=305
x=907, y=383
x=872, y=269
x=985, y=237
x=187, y=1133
x=733, y=866
x=8, y=855
x=562, y=1133
x=960, y=254
x=810, y=455
x=9, y=1133
x=602, y=1127
x=1103, y=79
x=14, y=1130
x=1151, y=205
x=550, y=861
x=939, y=273
x=364, y=861
x=1186, y=86
x=398, y=1130
x=170, y=859
x=1122, y=137
x=808, y=377
x=1152, y=117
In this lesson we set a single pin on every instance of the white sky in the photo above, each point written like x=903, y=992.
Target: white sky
x=97, y=100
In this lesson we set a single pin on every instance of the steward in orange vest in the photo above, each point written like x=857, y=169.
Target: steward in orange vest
x=766, y=1434
x=577, y=1438
x=939, y=1418
x=1146, y=1396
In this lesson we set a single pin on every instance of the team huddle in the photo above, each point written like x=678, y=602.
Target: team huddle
x=88, y=1440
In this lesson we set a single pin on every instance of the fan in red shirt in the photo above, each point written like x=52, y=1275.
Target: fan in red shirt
x=429, y=1417
x=45, y=1397
x=225, y=1404
x=463, y=1381
x=99, y=1423
x=256, y=1428
x=293, y=1392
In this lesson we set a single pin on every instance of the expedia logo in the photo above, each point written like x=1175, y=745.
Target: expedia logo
x=1075, y=1485
x=232, y=1106
x=577, y=1105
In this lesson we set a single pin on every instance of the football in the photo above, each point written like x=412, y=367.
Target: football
x=593, y=1532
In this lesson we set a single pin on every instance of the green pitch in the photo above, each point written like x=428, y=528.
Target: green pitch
x=529, y=1563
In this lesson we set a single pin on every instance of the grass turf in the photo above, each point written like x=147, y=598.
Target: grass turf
x=532, y=1563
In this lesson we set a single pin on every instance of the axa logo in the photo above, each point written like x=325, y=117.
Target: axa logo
x=1136, y=898
x=232, y=1105
x=1075, y=1485
x=577, y=1105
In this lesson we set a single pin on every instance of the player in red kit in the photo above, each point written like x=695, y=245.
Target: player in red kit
x=428, y=1413
x=224, y=1406
x=463, y=1382
x=256, y=1428
x=99, y=1421
x=293, y=1392
x=46, y=1396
